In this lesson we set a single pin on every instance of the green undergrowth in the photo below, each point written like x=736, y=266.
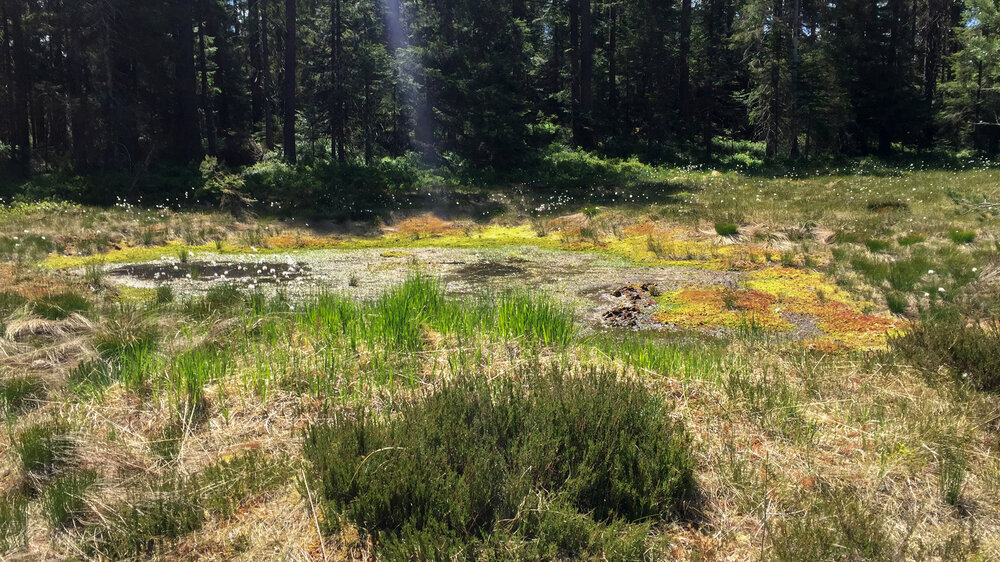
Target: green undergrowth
x=548, y=463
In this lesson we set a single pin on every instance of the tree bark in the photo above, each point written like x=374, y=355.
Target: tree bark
x=586, y=74
x=793, y=114
x=574, y=64
x=19, y=115
x=265, y=67
x=684, y=71
x=256, y=76
x=612, y=58
x=337, y=101
x=288, y=140
x=187, y=139
x=206, y=97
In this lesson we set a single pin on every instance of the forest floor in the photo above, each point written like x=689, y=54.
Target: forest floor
x=166, y=374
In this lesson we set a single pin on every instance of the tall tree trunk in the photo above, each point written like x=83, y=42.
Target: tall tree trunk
x=187, y=138
x=256, y=74
x=206, y=97
x=613, y=61
x=586, y=74
x=793, y=114
x=336, y=63
x=684, y=54
x=265, y=67
x=22, y=86
x=772, y=124
x=574, y=65
x=713, y=43
x=288, y=141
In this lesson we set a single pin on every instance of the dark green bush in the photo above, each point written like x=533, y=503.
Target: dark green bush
x=475, y=461
x=967, y=350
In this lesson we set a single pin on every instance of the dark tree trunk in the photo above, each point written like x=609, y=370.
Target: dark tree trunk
x=265, y=67
x=206, y=97
x=288, y=140
x=187, y=138
x=337, y=101
x=22, y=86
x=793, y=114
x=574, y=65
x=774, y=103
x=256, y=74
x=613, y=59
x=684, y=70
x=586, y=74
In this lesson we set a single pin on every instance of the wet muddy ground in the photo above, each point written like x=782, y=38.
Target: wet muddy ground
x=605, y=293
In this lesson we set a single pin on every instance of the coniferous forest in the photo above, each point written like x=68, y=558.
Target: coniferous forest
x=118, y=85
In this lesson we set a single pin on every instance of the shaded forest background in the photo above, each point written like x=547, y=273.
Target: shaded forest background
x=122, y=87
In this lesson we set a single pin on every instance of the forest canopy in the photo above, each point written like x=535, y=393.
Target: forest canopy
x=97, y=86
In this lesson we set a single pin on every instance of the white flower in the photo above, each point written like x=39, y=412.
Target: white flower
x=940, y=289
x=930, y=272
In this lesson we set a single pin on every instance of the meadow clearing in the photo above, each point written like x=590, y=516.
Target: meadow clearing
x=704, y=365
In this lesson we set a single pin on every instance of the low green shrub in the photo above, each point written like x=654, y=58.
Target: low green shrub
x=475, y=460
x=967, y=350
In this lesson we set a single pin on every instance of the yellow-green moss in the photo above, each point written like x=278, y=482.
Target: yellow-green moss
x=135, y=294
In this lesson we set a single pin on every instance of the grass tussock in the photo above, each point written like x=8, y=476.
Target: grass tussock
x=476, y=461
x=175, y=506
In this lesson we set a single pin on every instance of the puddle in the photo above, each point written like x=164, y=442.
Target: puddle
x=263, y=272
x=487, y=269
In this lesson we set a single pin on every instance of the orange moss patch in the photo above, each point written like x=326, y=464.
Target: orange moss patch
x=769, y=293
x=718, y=307
x=31, y=286
x=424, y=224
